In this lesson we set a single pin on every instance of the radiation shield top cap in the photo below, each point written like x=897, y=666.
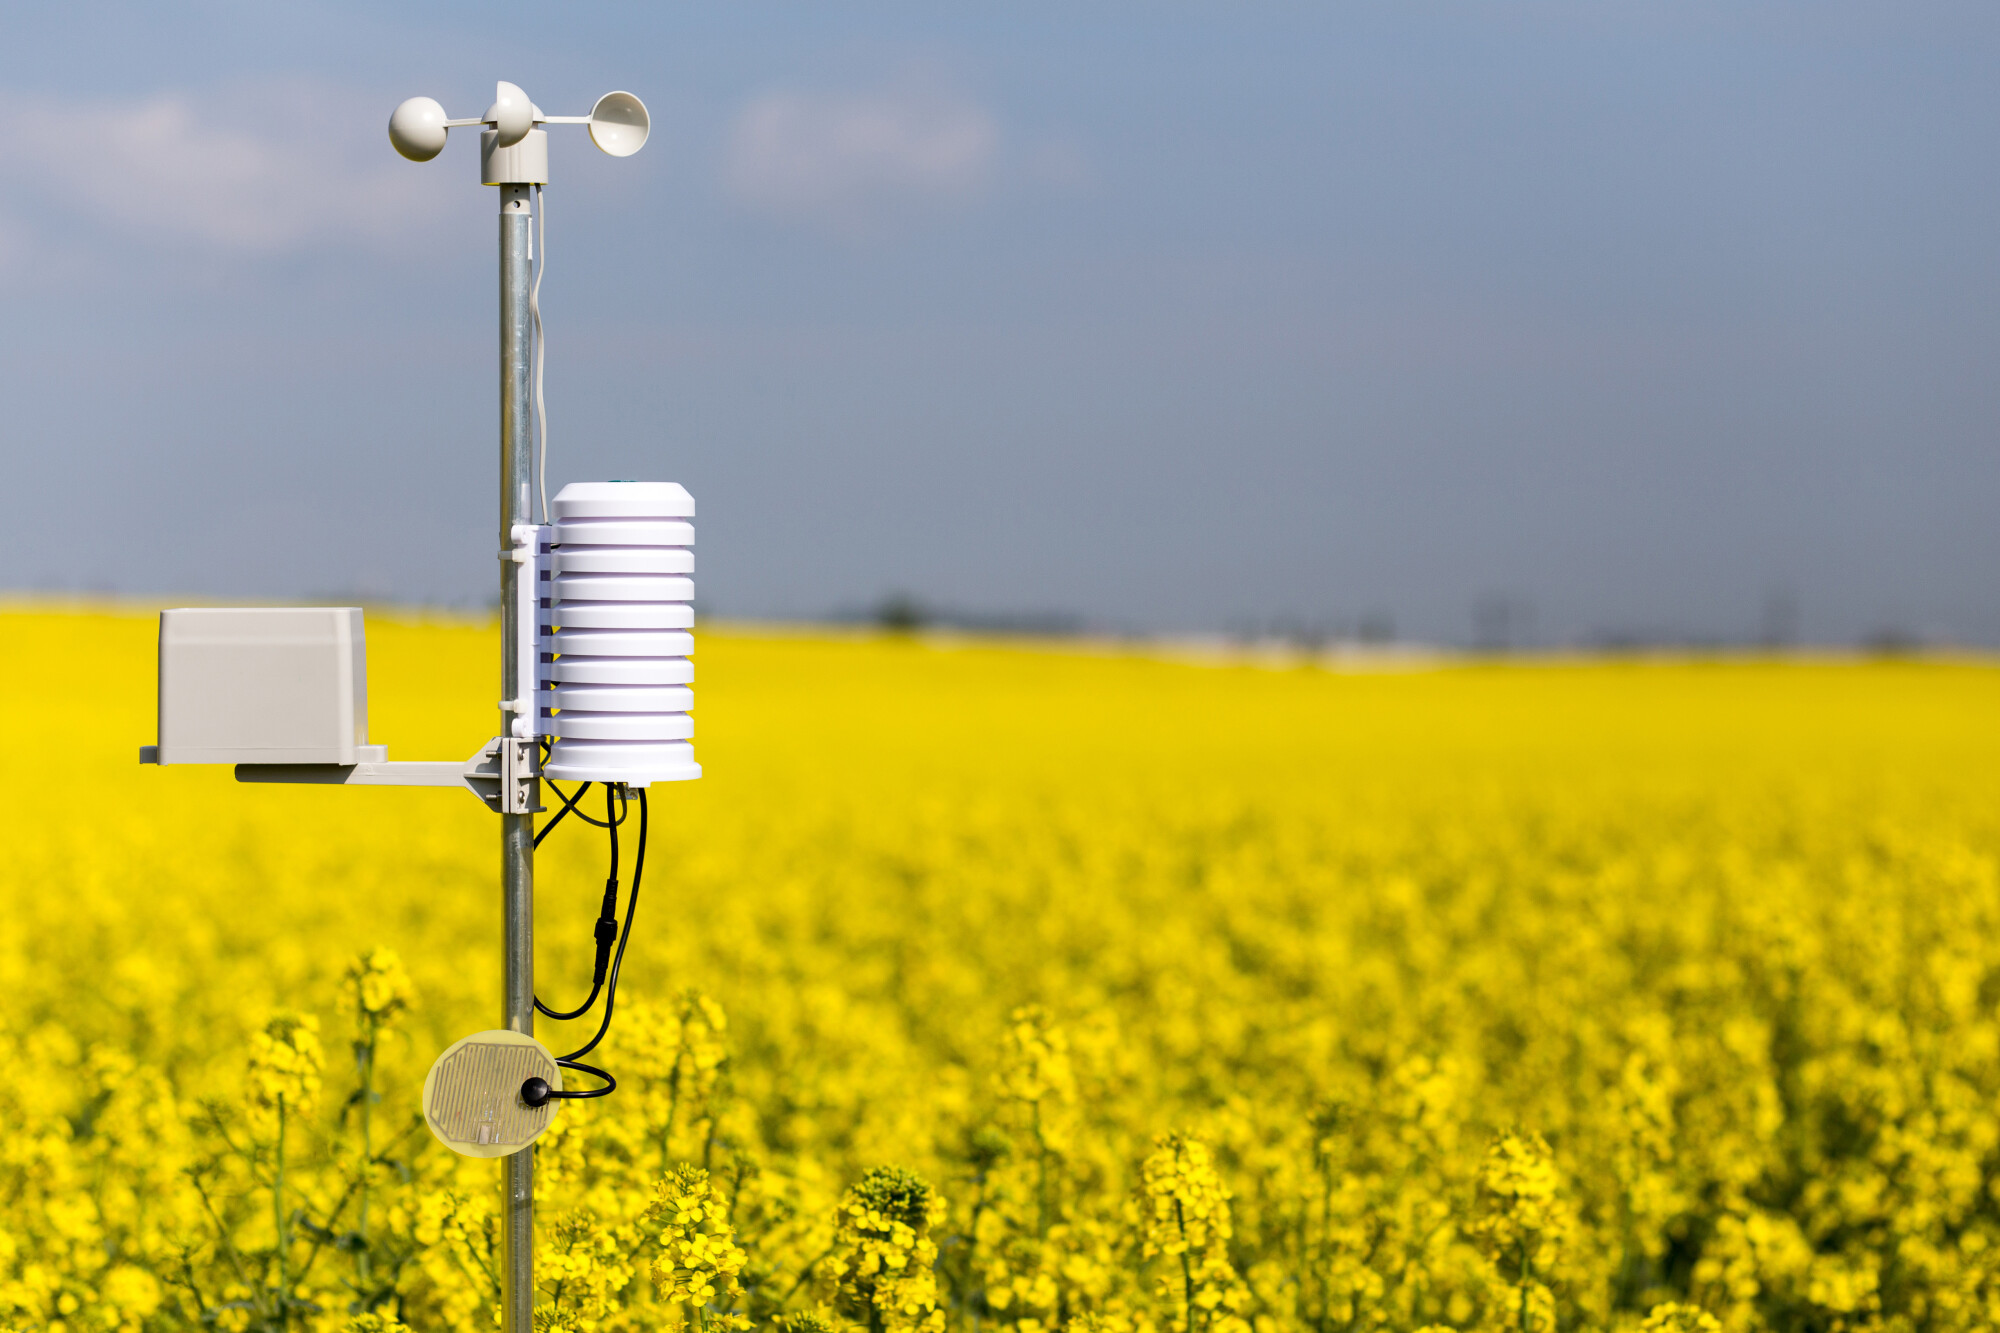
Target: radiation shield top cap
x=624, y=499
x=472, y=1096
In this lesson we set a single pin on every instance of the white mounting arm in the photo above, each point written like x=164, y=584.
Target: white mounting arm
x=485, y=775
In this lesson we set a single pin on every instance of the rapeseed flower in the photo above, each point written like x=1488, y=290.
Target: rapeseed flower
x=880, y=1266
x=1587, y=996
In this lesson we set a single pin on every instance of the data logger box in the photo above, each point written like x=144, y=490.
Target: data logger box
x=262, y=685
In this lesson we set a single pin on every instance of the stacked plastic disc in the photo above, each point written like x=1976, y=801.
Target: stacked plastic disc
x=623, y=611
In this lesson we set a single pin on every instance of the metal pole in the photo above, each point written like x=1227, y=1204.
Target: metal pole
x=517, y=832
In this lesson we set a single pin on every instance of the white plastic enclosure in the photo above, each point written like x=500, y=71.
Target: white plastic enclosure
x=263, y=685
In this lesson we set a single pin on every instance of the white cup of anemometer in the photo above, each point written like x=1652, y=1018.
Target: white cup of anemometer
x=418, y=128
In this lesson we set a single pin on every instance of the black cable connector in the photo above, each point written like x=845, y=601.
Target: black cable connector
x=606, y=933
x=617, y=958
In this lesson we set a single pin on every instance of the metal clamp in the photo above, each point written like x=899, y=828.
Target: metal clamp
x=520, y=768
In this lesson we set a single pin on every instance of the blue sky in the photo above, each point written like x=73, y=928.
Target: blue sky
x=1636, y=319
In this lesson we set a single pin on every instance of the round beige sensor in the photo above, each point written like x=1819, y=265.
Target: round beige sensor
x=472, y=1096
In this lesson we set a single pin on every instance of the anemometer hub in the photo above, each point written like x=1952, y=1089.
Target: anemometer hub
x=512, y=151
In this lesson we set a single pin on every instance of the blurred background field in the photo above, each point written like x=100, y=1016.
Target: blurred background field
x=1711, y=940
x=1444, y=802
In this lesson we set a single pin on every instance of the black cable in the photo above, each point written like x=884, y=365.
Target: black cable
x=606, y=933
x=568, y=804
x=537, y=1092
x=624, y=938
x=611, y=821
x=577, y=1012
x=610, y=1083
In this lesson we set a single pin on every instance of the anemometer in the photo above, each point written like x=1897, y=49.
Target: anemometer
x=596, y=613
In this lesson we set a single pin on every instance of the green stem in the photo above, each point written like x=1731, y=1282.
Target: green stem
x=361, y=1273
x=974, y=1298
x=278, y=1221
x=1042, y=1177
x=673, y=1108
x=805, y=1273
x=221, y=1230
x=1187, y=1271
x=1527, y=1275
x=1320, y=1269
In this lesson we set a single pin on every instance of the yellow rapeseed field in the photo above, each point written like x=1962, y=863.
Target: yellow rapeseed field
x=1016, y=990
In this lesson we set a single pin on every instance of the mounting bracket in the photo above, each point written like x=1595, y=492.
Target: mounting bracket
x=503, y=774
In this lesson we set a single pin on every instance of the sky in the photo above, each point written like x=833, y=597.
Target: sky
x=1540, y=322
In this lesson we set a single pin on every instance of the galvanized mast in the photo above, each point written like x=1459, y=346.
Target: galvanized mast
x=517, y=830
x=513, y=154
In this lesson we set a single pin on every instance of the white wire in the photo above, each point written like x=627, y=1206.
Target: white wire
x=541, y=352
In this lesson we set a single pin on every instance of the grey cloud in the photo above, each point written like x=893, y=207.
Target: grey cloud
x=853, y=162
x=273, y=170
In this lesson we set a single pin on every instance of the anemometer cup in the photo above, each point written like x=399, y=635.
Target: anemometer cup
x=619, y=124
x=417, y=129
x=512, y=115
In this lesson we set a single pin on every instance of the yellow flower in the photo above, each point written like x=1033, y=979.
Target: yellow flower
x=373, y=1323
x=378, y=989
x=284, y=1067
x=132, y=1292
x=1034, y=1059
x=1672, y=1318
x=1184, y=1215
x=699, y=1259
x=882, y=1256
x=1523, y=1221
x=1183, y=1202
x=1521, y=1210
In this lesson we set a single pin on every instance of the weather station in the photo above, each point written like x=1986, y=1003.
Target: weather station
x=596, y=673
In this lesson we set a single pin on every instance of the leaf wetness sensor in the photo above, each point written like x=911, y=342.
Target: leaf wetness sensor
x=472, y=1096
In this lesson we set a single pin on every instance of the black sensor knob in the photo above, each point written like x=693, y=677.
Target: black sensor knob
x=536, y=1092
